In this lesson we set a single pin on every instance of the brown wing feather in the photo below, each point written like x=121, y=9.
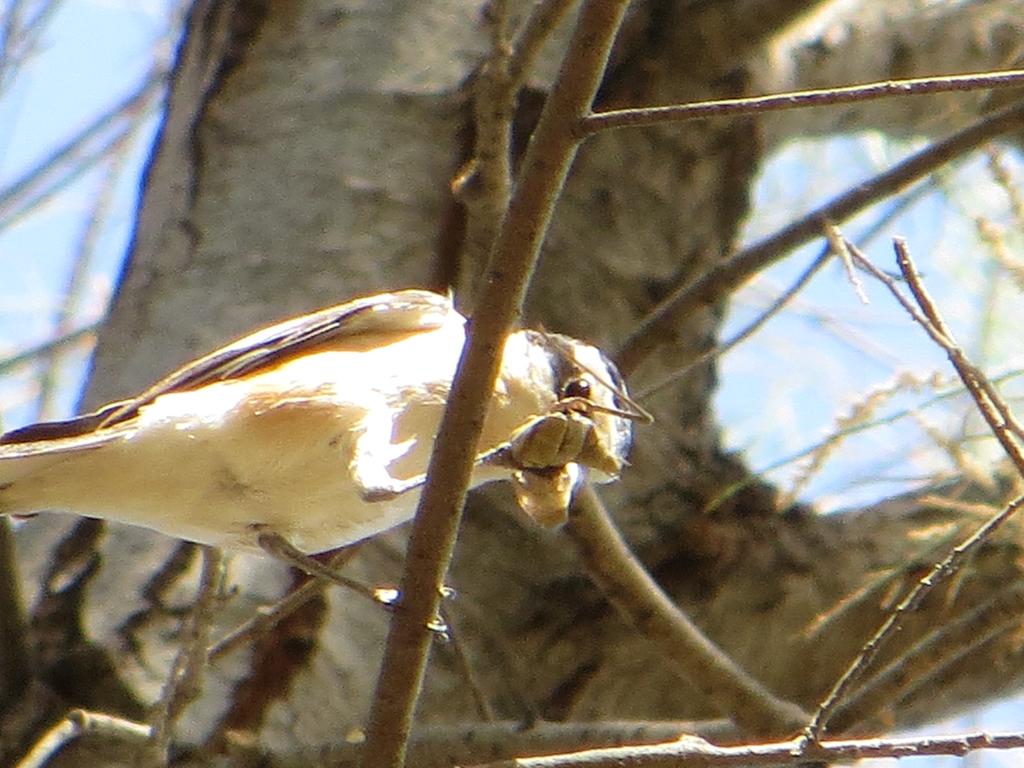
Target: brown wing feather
x=55, y=430
x=402, y=311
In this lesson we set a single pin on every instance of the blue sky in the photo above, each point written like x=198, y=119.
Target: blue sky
x=92, y=56
x=816, y=361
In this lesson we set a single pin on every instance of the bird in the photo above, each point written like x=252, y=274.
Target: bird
x=318, y=429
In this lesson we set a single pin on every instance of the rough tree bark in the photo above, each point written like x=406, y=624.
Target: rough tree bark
x=306, y=158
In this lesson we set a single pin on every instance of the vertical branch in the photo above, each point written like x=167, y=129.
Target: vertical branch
x=15, y=661
x=512, y=261
x=485, y=185
x=185, y=679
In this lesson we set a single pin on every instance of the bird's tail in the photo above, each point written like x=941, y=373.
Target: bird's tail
x=29, y=451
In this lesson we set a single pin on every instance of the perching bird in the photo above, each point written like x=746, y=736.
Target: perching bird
x=319, y=429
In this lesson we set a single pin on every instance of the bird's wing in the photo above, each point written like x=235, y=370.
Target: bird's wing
x=77, y=438
x=400, y=312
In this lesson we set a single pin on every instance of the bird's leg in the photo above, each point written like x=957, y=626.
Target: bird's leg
x=277, y=546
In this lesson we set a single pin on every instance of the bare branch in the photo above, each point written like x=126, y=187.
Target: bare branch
x=79, y=722
x=783, y=299
x=515, y=252
x=15, y=657
x=484, y=709
x=993, y=408
x=82, y=262
x=532, y=35
x=931, y=656
x=20, y=34
x=634, y=118
x=442, y=746
x=694, y=752
x=995, y=412
x=265, y=619
x=86, y=335
x=485, y=184
x=719, y=282
x=643, y=603
x=185, y=679
x=89, y=146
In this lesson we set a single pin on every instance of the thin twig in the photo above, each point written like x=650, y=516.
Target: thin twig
x=85, y=334
x=824, y=97
x=722, y=280
x=927, y=659
x=905, y=381
x=77, y=283
x=629, y=587
x=77, y=723
x=875, y=591
x=266, y=619
x=468, y=743
x=10, y=32
x=837, y=244
x=993, y=408
x=485, y=185
x=1001, y=173
x=153, y=592
x=21, y=37
x=995, y=412
x=991, y=404
x=545, y=167
x=494, y=104
x=184, y=682
x=457, y=643
x=534, y=32
x=694, y=752
x=783, y=298
x=993, y=280
x=860, y=411
x=744, y=333
x=76, y=155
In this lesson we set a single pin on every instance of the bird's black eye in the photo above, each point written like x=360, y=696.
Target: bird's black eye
x=576, y=388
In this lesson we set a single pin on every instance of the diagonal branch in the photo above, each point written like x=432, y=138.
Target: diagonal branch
x=512, y=261
x=90, y=145
x=720, y=281
x=781, y=300
x=995, y=412
x=643, y=603
x=753, y=105
x=930, y=658
x=939, y=573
